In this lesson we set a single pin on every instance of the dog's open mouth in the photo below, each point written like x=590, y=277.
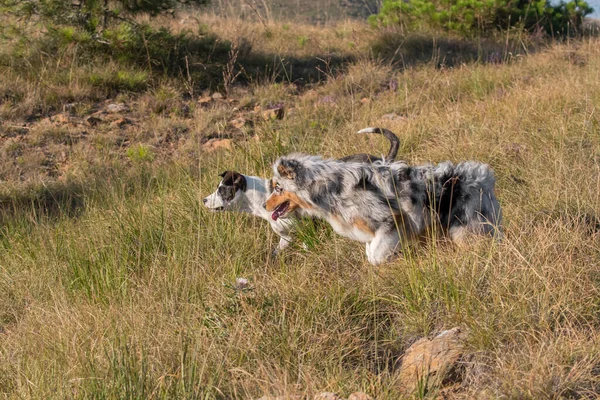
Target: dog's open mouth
x=280, y=210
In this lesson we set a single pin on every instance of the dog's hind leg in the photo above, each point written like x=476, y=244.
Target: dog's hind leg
x=383, y=246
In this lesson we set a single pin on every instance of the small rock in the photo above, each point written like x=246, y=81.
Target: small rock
x=241, y=283
x=205, y=100
x=119, y=123
x=238, y=123
x=273, y=113
x=327, y=396
x=365, y=100
x=217, y=96
x=359, y=396
x=430, y=361
x=215, y=144
x=116, y=108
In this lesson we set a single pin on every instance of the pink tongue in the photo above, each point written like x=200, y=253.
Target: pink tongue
x=275, y=215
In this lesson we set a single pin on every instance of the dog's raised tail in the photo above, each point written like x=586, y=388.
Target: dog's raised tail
x=389, y=135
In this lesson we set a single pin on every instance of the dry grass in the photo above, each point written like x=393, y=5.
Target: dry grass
x=116, y=283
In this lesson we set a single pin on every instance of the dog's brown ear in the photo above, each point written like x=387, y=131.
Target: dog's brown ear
x=288, y=169
x=285, y=171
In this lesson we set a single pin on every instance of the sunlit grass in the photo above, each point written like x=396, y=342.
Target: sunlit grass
x=115, y=282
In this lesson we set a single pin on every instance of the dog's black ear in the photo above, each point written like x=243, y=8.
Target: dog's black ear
x=222, y=175
x=239, y=181
x=235, y=180
x=289, y=169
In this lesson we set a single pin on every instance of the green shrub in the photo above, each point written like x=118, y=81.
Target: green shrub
x=140, y=154
x=471, y=17
x=302, y=40
x=71, y=34
x=140, y=45
x=90, y=14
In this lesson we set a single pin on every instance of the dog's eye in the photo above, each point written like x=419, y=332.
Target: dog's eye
x=278, y=189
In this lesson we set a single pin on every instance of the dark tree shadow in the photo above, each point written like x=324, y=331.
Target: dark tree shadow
x=399, y=50
x=406, y=51
x=299, y=70
x=39, y=202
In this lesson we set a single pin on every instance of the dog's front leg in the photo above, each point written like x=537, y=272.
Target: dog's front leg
x=284, y=230
x=284, y=242
x=383, y=246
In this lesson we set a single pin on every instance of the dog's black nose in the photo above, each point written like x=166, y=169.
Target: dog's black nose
x=205, y=201
x=265, y=205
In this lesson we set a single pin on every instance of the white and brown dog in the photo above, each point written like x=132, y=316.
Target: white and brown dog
x=244, y=193
x=381, y=204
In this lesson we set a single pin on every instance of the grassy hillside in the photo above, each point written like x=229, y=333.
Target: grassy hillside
x=115, y=282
